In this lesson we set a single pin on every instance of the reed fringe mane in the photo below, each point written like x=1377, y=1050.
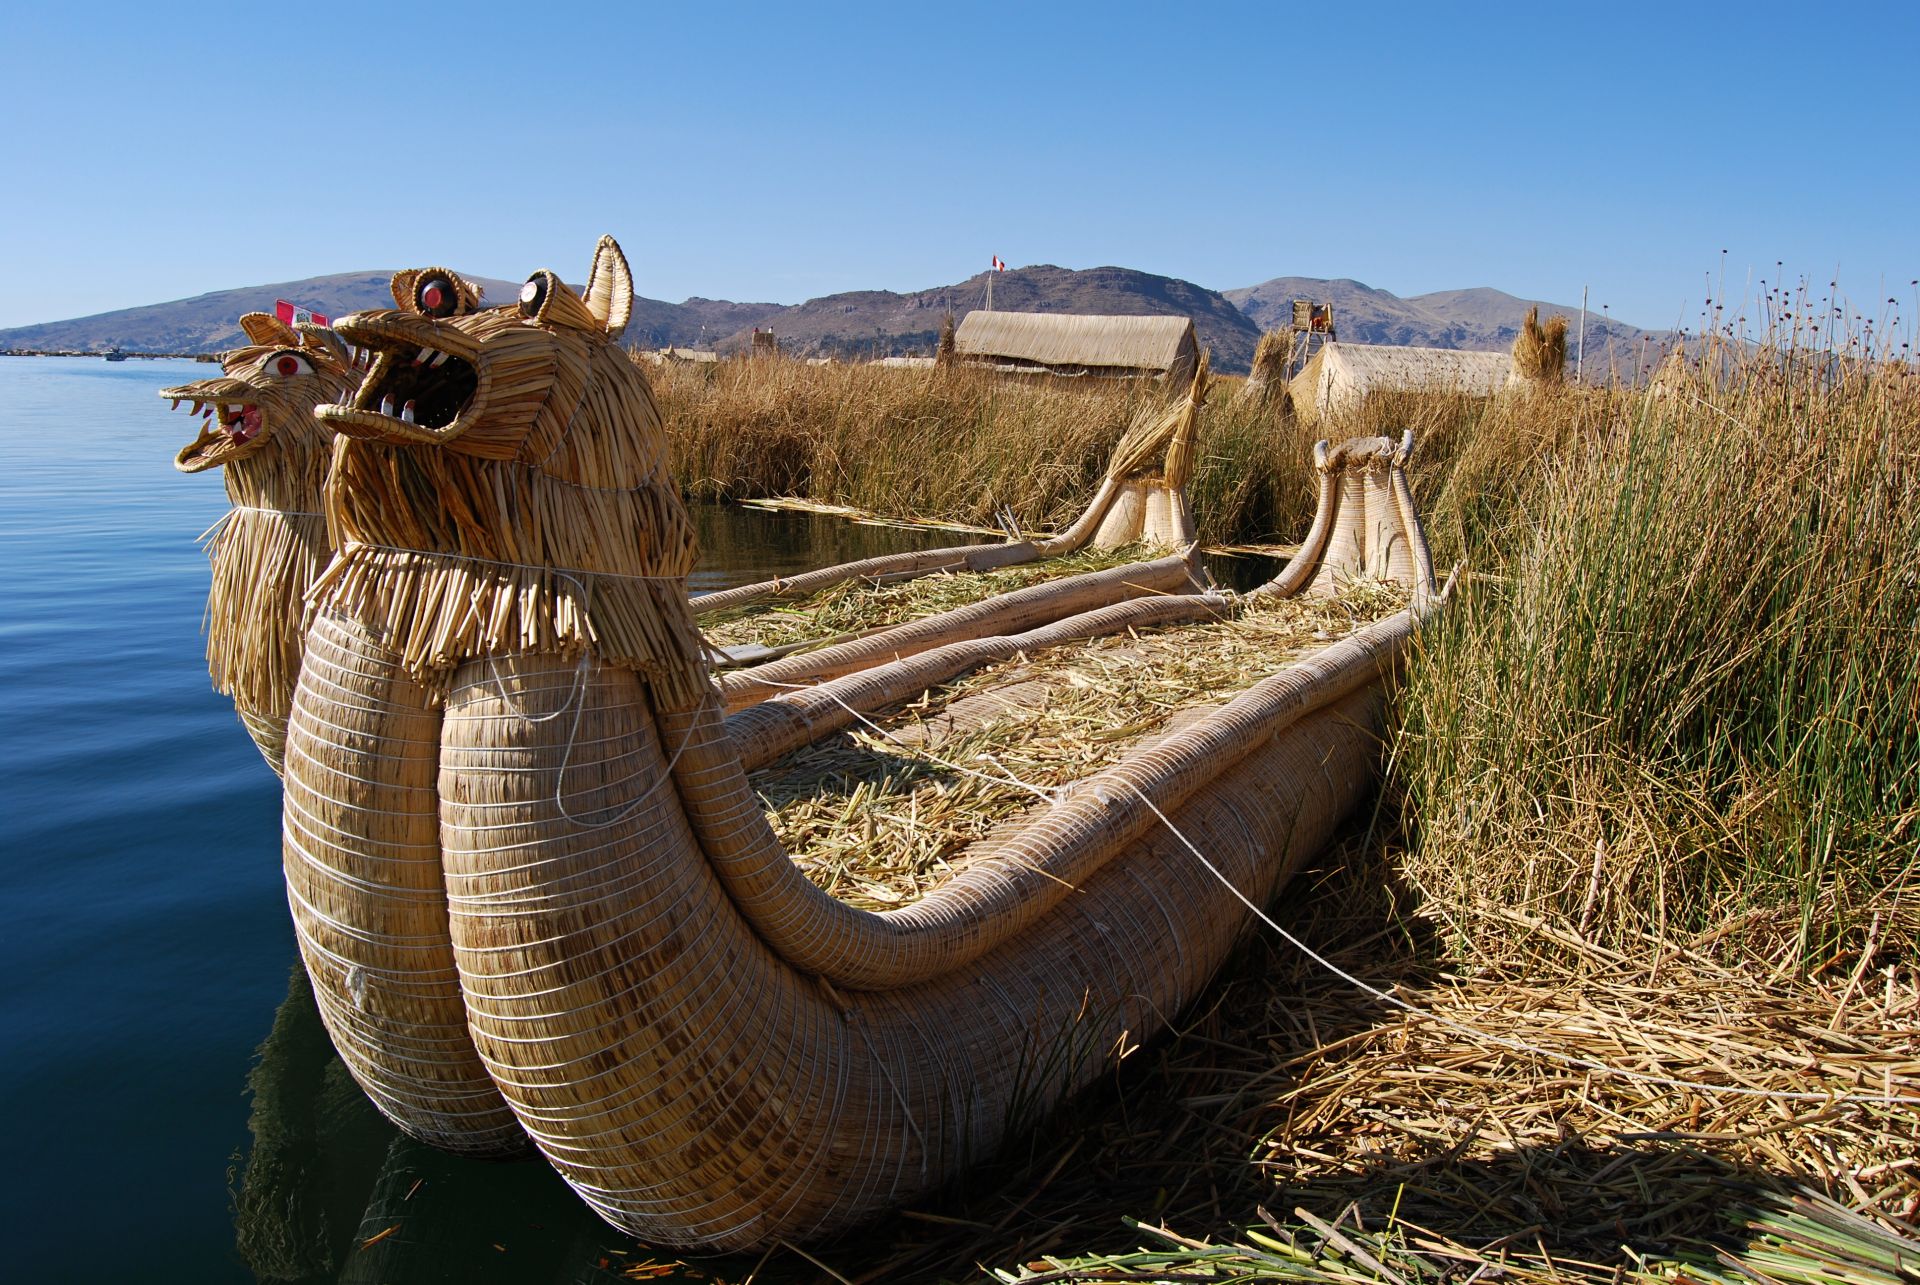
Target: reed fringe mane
x=576, y=541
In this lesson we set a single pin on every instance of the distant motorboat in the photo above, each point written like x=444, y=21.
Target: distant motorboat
x=114, y=354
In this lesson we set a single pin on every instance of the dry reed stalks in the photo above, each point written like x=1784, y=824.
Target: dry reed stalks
x=1140, y=500
x=945, y=355
x=1540, y=352
x=856, y=606
x=1272, y=361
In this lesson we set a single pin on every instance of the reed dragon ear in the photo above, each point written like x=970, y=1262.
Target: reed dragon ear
x=267, y=330
x=610, y=287
x=321, y=339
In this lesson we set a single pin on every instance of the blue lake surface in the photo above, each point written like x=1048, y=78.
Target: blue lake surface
x=147, y=946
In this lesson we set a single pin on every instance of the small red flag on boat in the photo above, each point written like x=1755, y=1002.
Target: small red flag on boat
x=998, y=266
x=292, y=314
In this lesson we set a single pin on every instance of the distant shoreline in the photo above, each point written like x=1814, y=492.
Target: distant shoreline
x=96, y=353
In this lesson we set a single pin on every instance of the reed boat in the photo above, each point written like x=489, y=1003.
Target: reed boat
x=258, y=430
x=768, y=636
x=541, y=901
x=1141, y=499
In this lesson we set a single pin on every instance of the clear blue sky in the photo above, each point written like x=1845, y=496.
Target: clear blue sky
x=777, y=152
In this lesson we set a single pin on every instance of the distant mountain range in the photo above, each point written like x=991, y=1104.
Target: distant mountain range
x=879, y=322
x=1480, y=319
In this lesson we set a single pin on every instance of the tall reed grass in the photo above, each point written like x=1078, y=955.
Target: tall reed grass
x=1680, y=686
x=960, y=445
x=1685, y=698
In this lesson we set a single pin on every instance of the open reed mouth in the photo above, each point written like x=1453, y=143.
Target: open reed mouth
x=425, y=387
x=418, y=380
x=226, y=426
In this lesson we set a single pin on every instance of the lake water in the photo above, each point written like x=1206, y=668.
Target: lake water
x=147, y=949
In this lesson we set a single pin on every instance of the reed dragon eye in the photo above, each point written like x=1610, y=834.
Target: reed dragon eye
x=287, y=365
x=436, y=297
x=533, y=295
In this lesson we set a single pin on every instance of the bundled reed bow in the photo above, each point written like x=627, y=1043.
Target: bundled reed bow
x=270, y=547
x=539, y=900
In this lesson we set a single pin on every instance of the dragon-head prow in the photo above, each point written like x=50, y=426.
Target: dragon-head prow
x=441, y=370
x=270, y=386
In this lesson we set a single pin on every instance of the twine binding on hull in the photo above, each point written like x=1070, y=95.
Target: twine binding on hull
x=538, y=900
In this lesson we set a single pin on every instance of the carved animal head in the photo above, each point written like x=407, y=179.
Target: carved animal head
x=499, y=383
x=269, y=390
x=487, y=449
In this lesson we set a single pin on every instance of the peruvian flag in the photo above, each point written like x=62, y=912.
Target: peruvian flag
x=998, y=266
x=292, y=314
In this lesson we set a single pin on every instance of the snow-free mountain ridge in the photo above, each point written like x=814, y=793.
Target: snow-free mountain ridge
x=863, y=323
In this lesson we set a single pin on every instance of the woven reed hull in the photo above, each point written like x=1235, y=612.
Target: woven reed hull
x=1372, y=545
x=695, y=1088
x=362, y=855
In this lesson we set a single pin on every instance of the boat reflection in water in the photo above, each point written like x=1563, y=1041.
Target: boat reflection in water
x=330, y=1192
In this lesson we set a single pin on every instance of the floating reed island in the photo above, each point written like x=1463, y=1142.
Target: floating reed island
x=541, y=900
x=269, y=548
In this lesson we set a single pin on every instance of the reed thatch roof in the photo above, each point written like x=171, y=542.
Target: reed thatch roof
x=1341, y=375
x=1063, y=344
x=685, y=354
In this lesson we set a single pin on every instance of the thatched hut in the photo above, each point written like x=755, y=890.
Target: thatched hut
x=694, y=356
x=1341, y=376
x=1060, y=344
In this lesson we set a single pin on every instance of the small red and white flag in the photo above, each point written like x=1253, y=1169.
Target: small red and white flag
x=998, y=265
x=292, y=314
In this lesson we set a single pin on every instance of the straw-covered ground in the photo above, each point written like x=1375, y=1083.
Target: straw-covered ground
x=1629, y=941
